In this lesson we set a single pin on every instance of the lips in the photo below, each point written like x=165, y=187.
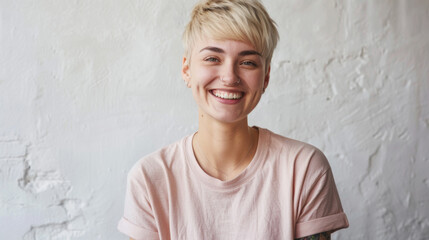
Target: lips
x=229, y=95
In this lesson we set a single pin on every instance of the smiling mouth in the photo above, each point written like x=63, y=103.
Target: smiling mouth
x=227, y=95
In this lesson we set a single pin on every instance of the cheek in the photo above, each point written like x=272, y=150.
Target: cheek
x=255, y=81
x=202, y=76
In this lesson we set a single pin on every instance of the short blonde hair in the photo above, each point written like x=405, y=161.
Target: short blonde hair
x=241, y=20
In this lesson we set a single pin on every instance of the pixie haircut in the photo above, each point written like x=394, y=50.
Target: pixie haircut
x=240, y=20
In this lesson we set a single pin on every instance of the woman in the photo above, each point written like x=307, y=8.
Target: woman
x=229, y=180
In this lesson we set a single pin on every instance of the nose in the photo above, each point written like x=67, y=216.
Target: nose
x=228, y=76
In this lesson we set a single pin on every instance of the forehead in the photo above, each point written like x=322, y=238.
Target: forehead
x=222, y=46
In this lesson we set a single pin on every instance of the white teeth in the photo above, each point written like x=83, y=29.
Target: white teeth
x=227, y=95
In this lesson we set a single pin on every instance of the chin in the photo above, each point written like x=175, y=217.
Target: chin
x=228, y=118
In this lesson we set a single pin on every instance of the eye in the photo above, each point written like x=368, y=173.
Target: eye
x=211, y=59
x=249, y=63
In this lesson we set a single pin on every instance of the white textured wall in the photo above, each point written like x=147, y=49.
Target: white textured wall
x=88, y=87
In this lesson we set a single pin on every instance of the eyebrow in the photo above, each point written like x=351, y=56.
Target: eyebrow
x=220, y=50
x=249, y=52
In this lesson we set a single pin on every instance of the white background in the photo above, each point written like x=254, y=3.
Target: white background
x=89, y=87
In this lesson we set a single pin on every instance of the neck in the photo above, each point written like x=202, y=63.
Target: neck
x=224, y=150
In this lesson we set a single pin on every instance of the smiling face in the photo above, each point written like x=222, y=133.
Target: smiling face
x=227, y=78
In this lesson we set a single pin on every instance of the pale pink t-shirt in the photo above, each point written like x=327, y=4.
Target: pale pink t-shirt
x=287, y=191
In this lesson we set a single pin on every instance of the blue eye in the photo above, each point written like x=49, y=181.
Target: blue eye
x=211, y=59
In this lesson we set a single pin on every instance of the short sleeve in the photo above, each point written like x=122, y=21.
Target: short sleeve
x=138, y=221
x=321, y=209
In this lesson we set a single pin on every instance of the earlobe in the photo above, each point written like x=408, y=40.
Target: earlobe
x=185, y=72
x=266, y=79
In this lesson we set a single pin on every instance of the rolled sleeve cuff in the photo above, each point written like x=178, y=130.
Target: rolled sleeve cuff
x=330, y=223
x=136, y=232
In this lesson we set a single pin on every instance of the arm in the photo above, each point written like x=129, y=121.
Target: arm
x=319, y=236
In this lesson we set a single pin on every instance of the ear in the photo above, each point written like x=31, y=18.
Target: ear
x=186, y=75
x=267, y=78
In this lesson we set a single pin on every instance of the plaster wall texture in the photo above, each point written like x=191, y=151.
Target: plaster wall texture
x=89, y=87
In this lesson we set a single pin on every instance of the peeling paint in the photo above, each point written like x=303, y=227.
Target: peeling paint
x=73, y=207
x=58, y=231
x=40, y=181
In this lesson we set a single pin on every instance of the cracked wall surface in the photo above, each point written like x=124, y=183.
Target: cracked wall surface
x=89, y=87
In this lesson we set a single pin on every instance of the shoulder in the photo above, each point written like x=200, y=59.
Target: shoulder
x=302, y=155
x=160, y=162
